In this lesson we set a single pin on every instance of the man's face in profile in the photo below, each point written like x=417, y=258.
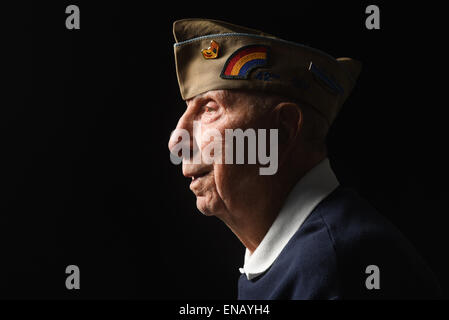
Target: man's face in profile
x=220, y=188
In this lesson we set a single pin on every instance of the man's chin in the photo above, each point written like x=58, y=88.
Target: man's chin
x=209, y=205
x=204, y=206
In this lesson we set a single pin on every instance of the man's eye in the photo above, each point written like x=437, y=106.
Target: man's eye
x=210, y=112
x=209, y=109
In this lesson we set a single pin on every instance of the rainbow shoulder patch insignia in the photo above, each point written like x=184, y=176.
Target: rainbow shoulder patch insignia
x=240, y=64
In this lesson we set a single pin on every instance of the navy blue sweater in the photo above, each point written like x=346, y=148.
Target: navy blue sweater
x=328, y=256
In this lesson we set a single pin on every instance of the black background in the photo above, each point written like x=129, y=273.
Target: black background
x=86, y=116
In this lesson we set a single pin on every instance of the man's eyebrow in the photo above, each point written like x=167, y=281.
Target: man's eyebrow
x=202, y=98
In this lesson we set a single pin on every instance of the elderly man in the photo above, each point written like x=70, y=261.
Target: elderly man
x=306, y=237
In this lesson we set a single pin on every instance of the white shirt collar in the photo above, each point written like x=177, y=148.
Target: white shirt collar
x=308, y=192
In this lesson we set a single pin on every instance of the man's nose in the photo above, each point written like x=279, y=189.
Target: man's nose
x=185, y=124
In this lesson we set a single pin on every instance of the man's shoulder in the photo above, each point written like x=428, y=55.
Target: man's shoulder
x=350, y=219
x=355, y=226
x=339, y=223
x=354, y=237
x=330, y=255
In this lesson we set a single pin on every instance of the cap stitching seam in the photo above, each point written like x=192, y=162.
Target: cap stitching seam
x=222, y=35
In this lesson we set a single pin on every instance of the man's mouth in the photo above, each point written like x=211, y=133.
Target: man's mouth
x=197, y=178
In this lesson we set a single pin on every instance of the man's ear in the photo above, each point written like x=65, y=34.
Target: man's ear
x=288, y=119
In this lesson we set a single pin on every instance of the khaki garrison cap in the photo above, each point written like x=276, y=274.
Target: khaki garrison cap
x=211, y=55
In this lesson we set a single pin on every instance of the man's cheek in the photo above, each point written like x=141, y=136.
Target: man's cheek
x=219, y=176
x=227, y=178
x=211, y=145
